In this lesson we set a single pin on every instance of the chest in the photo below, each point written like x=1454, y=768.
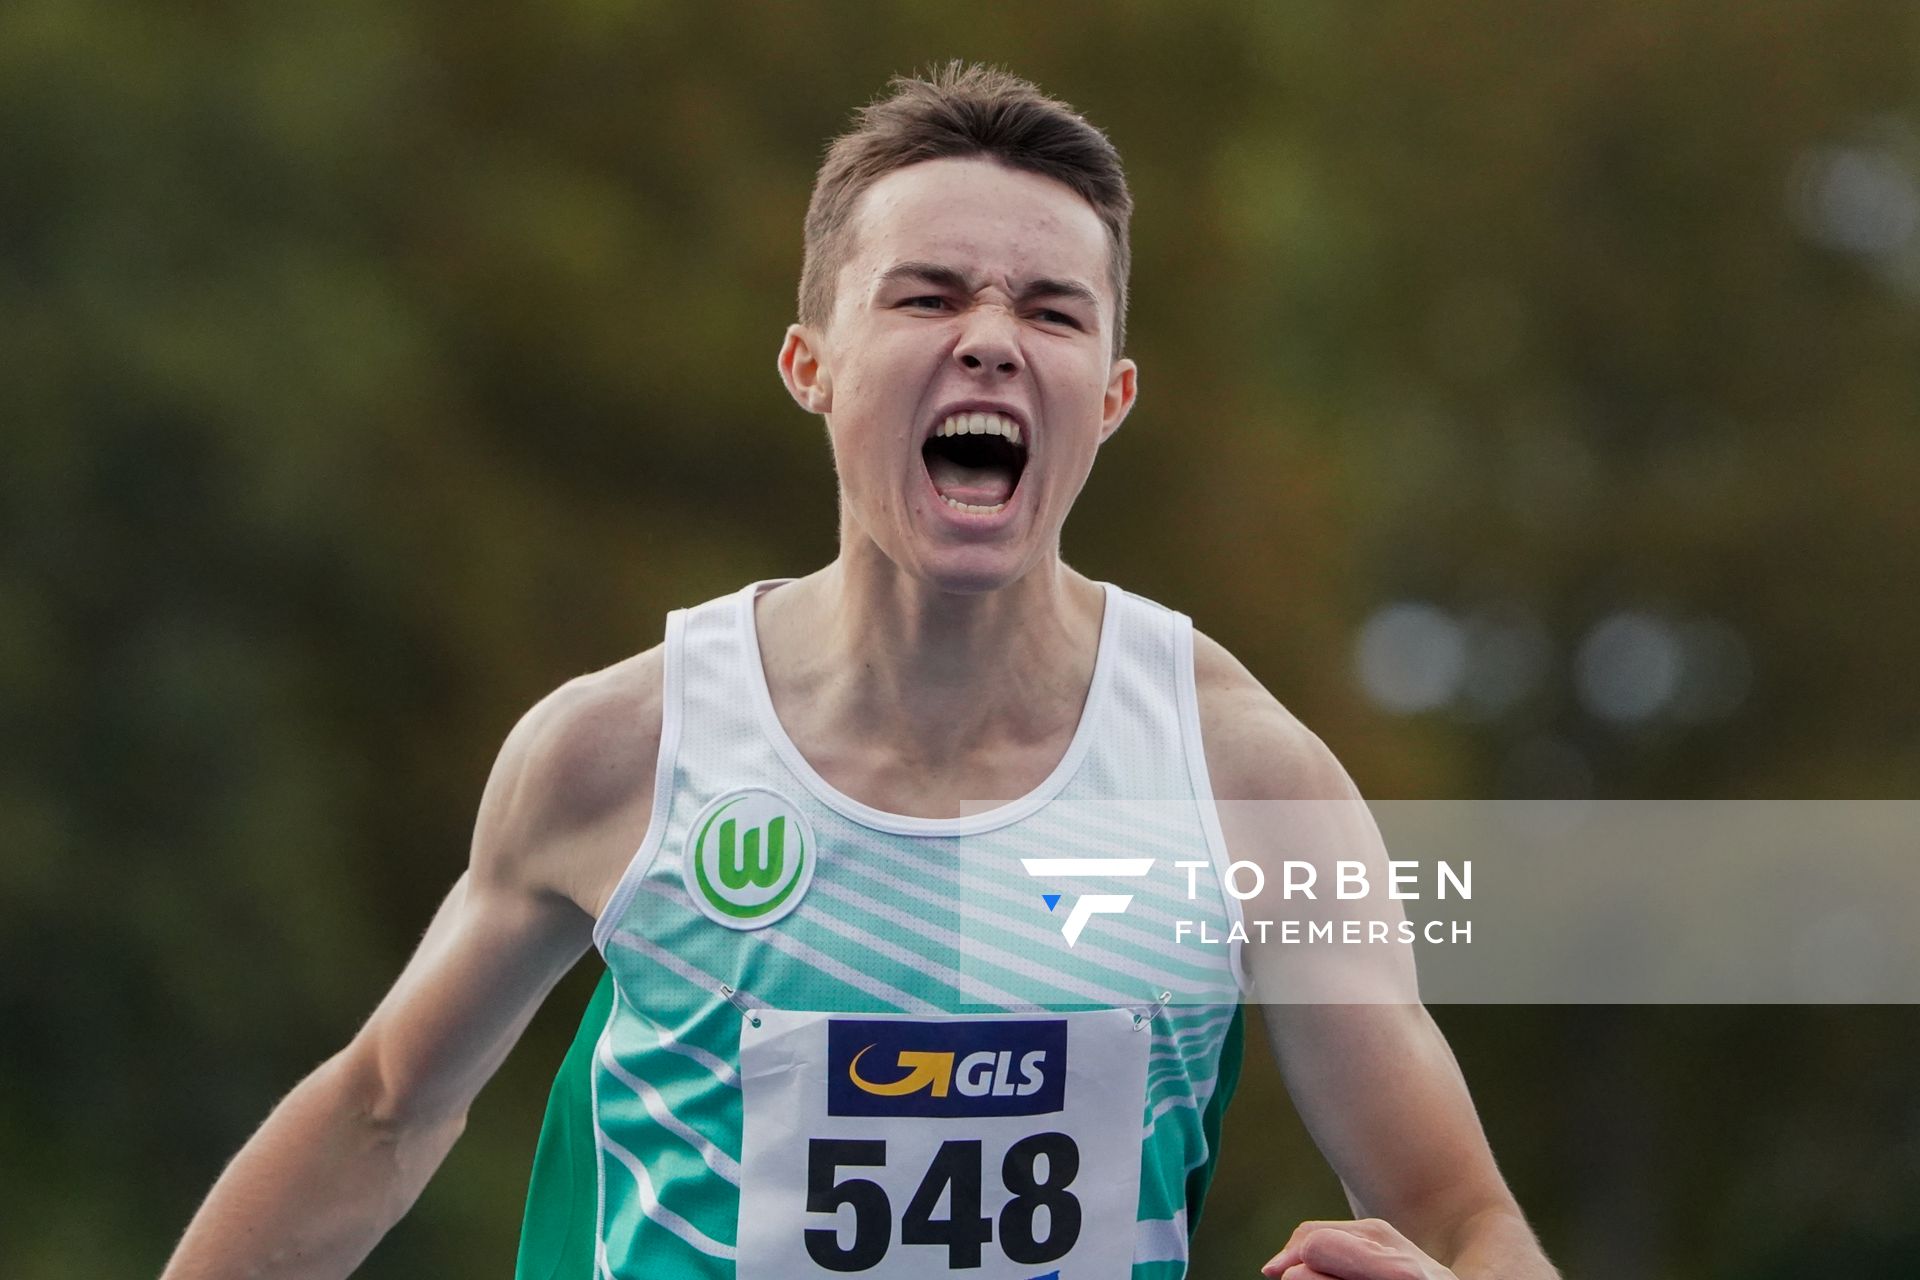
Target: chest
x=797, y=907
x=894, y=780
x=876, y=775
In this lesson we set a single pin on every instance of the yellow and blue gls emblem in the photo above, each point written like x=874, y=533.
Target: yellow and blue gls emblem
x=972, y=1067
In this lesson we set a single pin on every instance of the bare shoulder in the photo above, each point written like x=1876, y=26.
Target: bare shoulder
x=1256, y=749
x=572, y=789
x=1259, y=751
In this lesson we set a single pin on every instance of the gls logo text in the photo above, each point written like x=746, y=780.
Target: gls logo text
x=1087, y=905
x=899, y=1067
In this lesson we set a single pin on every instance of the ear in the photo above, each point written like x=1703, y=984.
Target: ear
x=804, y=371
x=1122, y=386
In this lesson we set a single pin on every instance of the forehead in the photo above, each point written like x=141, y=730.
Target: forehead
x=981, y=217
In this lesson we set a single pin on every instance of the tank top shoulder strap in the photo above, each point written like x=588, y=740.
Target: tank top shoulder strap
x=1148, y=759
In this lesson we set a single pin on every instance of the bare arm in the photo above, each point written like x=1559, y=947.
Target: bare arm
x=1385, y=1101
x=347, y=1152
x=1372, y=1076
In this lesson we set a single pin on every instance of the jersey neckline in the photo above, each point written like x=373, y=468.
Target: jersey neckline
x=907, y=824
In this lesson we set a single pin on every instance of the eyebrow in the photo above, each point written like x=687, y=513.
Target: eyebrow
x=948, y=278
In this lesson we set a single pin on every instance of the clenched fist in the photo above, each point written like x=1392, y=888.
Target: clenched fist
x=1367, y=1249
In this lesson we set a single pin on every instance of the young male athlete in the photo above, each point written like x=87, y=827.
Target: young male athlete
x=884, y=861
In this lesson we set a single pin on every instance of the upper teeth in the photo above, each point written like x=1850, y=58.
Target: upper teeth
x=977, y=424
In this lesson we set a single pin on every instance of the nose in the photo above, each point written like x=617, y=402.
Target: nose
x=989, y=342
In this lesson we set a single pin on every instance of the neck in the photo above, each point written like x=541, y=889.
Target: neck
x=863, y=652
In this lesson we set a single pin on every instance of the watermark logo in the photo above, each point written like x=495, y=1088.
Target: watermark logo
x=750, y=858
x=1087, y=905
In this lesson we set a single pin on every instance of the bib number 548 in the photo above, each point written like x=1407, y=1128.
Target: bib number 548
x=957, y=1171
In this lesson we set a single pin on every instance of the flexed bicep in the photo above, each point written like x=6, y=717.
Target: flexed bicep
x=349, y=1149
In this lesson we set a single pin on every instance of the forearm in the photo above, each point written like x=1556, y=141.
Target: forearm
x=1498, y=1245
x=315, y=1188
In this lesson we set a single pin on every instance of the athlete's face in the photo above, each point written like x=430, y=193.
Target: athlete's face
x=974, y=307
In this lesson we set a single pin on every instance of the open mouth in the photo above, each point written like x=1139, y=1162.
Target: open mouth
x=975, y=461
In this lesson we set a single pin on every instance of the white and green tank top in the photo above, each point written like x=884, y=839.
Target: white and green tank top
x=849, y=1042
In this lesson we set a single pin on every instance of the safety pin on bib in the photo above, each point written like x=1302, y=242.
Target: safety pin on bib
x=735, y=999
x=1140, y=1019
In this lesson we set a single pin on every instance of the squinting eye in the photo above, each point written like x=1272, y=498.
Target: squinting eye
x=1059, y=317
x=932, y=299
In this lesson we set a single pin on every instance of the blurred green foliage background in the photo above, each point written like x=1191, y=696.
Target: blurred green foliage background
x=1528, y=396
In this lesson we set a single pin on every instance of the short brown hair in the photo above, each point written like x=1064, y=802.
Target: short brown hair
x=956, y=111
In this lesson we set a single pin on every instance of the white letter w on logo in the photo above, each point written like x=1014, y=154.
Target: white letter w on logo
x=1089, y=904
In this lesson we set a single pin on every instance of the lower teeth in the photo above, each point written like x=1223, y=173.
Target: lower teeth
x=971, y=508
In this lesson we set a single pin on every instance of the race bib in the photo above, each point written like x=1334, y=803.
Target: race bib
x=1005, y=1147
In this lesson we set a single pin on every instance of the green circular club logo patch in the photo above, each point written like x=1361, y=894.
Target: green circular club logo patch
x=749, y=858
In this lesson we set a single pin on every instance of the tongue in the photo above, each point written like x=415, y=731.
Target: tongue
x=977, y=486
